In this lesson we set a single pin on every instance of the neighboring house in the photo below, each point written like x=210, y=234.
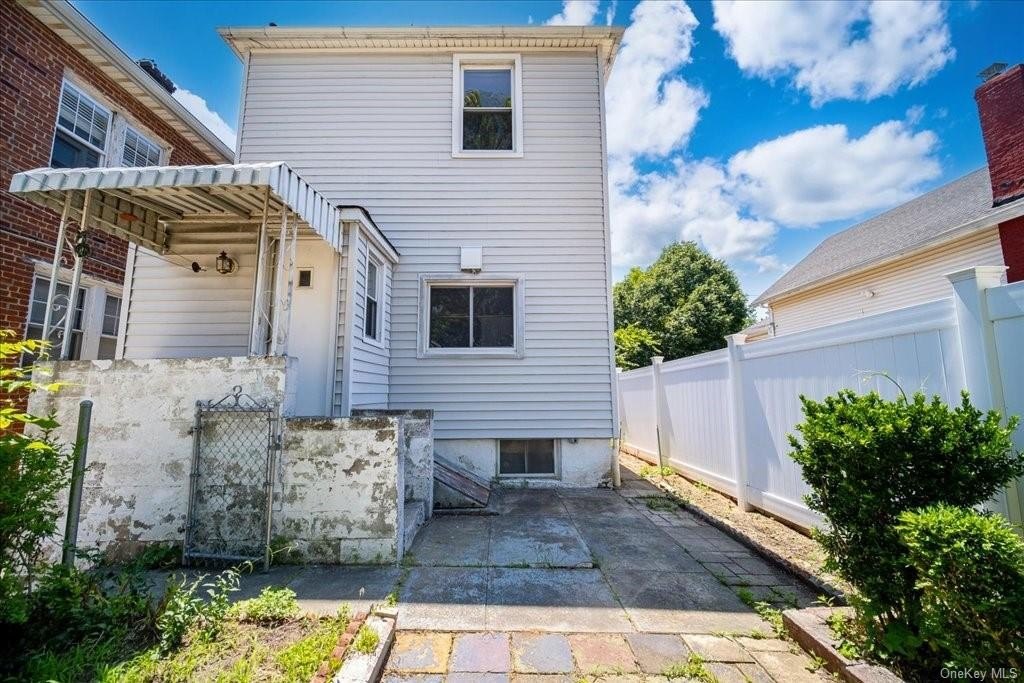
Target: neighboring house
x=900, y=258
x=418, y=216
x=70, y=97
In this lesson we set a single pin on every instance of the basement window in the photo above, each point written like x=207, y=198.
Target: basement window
x=487, y=106
x=527, y=458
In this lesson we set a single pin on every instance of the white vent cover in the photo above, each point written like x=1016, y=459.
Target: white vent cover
x=471, y=259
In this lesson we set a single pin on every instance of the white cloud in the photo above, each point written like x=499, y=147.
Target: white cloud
x=575, y=13
x=198, y=107
x=838, y=50
x=651, y=110
x=821, y=174
x=609, y=13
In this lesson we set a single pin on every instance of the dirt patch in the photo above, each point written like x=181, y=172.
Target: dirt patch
x=793, y=546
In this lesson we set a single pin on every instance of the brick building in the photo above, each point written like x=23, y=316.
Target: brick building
x=69, y=97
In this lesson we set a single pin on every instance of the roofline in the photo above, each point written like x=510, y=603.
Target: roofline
x=1001, y=214
x=607, y=38
x=114, y=57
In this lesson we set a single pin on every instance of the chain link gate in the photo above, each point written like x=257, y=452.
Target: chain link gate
x=231, y=485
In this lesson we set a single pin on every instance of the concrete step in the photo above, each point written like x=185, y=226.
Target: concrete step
x=415, y=516
x=456, y=487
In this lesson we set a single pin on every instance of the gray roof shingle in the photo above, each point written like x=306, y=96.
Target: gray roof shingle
x=938, y=214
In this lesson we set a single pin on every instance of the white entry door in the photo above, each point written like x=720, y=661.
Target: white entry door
x=311, y=338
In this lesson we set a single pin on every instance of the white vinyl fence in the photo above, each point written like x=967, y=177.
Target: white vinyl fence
x=725, y=415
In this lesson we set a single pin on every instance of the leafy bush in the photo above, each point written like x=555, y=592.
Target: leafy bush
x=35, y=469
x=183, y=611
x=867, y=460
x=275, y=605
x=634, y=347
x=970, y=569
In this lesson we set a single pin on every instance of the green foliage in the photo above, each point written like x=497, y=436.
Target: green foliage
x=654, y=471
x=686, y=302
x=970, y=569
x=275, y=605
x=158, y=556
x=35, y=470
x=867, y=460
x=634, y=347
x=692, y=669
x=661, y=503
x=366, y=640
x=184, y=611
x=301, y=660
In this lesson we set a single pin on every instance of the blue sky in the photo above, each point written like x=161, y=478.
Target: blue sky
x=737, y=129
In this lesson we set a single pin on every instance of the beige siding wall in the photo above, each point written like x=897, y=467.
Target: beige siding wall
x=914, y=279
x=375, y=129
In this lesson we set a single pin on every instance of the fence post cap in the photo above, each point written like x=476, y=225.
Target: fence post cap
x=657, y=360
x=734, y=339
x=991, y=276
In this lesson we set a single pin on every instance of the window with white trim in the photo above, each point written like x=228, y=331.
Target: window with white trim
x=372, y=309
x=139, y=150
x=83, y=126
x=487, y=106
x=472, y=317
x=527, y=458
x=97, y=317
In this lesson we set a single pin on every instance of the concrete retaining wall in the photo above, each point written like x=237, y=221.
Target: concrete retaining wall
x=417, y=448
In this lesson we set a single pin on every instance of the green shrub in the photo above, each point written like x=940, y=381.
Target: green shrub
x=34, y=470
x=184, y=611
x=970, y=569
x=867, y=460
x=366, y=640
x=275, y=605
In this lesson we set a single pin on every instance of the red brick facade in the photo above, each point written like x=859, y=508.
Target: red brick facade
x=1011, y=236
x=1001, y=111
x=33, y=61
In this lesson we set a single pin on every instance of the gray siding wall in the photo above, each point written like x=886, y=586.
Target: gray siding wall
x=375, y=129
x=370, y=361
x=175, y=313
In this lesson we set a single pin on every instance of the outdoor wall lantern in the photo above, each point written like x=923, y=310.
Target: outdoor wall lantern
x=225, y=264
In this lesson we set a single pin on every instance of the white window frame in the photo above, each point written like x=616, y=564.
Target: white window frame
x=518, y=283
x=378, y=263
x=82, y=92
x=312, y=278
x=461, y=62
x=161, y=152
x=556, y=474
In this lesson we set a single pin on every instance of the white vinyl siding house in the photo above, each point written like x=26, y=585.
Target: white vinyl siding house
x=376, y=128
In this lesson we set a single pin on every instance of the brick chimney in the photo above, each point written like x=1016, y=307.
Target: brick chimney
x=1001, y=110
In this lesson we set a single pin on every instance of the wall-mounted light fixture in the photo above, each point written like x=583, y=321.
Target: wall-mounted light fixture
x=225, y=264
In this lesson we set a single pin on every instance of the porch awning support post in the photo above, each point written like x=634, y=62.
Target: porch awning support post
x=257, y=335
x=76, y=279
x=51, y=294
x=276, y=337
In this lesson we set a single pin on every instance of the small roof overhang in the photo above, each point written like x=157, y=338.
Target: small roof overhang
x=146, y=205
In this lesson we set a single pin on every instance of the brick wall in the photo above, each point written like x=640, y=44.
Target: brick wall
x=33, y=60
x=1001, y=111
x=1011, y=236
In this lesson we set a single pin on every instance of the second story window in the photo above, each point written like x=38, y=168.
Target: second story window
x=82, y=129
x=138, y=150
x=487, y=106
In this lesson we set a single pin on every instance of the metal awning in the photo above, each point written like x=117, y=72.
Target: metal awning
x=144, y=205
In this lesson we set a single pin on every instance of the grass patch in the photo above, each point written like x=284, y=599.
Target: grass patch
x=765, y=610
x=692, y=669
x=366, y=640
x=648, y=471
x=661, y=504
x=275, y=605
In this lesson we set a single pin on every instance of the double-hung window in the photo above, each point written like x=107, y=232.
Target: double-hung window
x=372, y=309
x=82, y=129
x=139, y=150
x=94, y=325
x=487, y=106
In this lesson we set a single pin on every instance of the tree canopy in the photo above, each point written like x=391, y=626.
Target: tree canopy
x=685, y=303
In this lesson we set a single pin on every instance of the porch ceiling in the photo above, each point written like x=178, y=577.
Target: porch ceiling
x=168, y=208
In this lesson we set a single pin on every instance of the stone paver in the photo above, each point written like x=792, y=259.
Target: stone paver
x=543, y=678
x=481, y=653
x=412, y=678
x=717, y=648
x=541, y=653
x=789, y=667
x=655, y=652
x=764, y=644
x=420, y=652
x=600, y=653
x=457, y=677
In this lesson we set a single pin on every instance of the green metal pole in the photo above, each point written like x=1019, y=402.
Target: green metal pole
x=77, y=475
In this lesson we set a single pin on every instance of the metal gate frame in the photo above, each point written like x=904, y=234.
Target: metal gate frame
x=235, y=402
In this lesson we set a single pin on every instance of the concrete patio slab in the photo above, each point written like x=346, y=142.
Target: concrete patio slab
x=323, y=589
x=591, y=503
x=655, y=652
x=717, y=648
x=452, y=541
x=530, y=502
x=679, y=602
x=481, y=653
x=526, y=541
x=637, y=545
x=553, y=600
x=444, y=599
x=599, y=653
